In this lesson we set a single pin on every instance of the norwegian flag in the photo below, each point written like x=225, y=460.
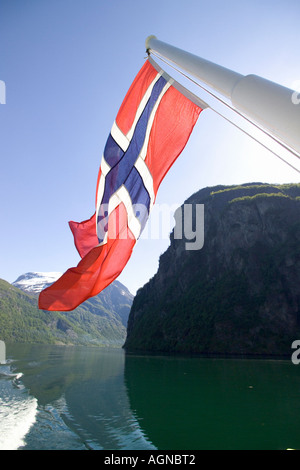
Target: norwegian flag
x=151, y=129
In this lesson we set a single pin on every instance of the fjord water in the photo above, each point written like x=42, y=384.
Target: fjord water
x=56, y=397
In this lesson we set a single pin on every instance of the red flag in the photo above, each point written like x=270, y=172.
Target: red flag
x=151, y=129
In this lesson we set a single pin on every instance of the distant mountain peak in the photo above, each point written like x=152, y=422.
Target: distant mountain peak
x=100, y=320
x=115, y=298
x=35, y=282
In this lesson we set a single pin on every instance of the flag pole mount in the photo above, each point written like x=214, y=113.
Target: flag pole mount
x=268, y=104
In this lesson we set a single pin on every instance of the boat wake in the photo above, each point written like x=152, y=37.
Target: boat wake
x=18, y=410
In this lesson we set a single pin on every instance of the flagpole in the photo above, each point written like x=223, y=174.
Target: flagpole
x=268, y=104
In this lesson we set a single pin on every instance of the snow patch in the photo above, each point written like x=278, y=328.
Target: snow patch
x=35, y=282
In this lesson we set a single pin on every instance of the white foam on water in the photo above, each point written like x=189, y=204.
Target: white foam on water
x=18, y=412
x=11, y=375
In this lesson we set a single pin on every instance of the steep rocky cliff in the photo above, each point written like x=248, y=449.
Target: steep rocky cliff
x=239, y=294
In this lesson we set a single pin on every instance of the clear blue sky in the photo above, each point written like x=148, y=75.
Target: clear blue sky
x=67, y=65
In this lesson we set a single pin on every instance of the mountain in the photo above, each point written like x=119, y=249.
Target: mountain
x=116, y=298
x=101, y=320
x=240, y=293
x=34, y=283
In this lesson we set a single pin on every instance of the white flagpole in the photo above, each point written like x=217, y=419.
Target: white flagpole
x=270, y=105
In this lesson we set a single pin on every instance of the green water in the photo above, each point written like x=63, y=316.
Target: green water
x=216, y=403
x=89, y=398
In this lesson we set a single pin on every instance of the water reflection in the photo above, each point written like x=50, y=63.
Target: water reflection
x=82, y=399
x=192, y=403
x=91, y=398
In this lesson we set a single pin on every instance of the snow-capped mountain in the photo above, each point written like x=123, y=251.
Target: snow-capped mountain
x=34, y=283
x=115, y=298
x=100, y=320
